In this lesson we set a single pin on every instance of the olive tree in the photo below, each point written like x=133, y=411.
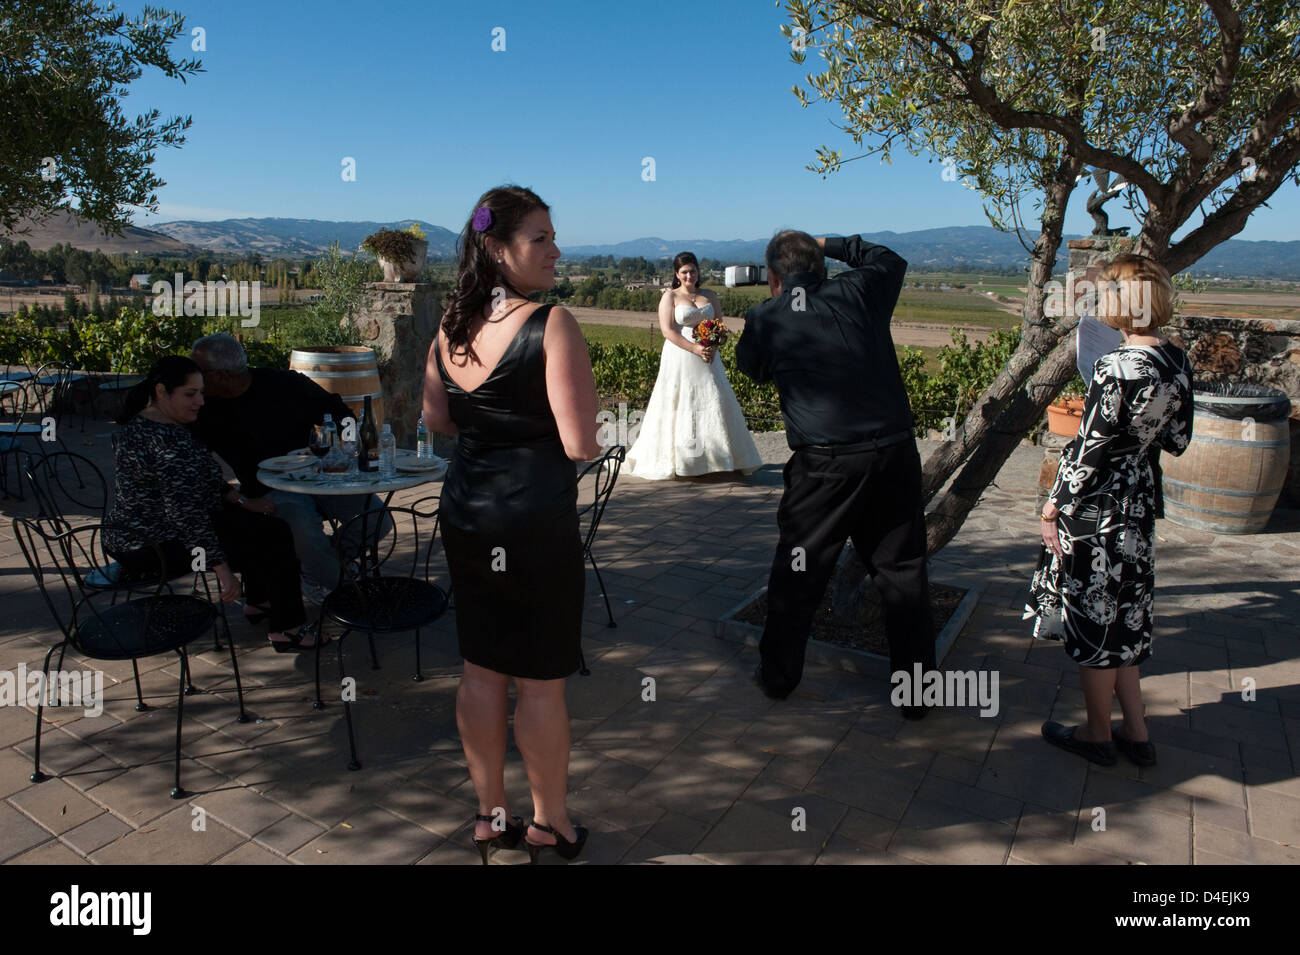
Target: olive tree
x=64, y=69
x=1193, y=107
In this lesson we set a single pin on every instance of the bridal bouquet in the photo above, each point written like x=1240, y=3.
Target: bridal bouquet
x=711, y=332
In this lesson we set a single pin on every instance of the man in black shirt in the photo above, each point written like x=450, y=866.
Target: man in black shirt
x=855, y=471
x=250, y=415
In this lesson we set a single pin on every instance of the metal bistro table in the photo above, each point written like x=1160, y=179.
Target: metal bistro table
x=305, y=480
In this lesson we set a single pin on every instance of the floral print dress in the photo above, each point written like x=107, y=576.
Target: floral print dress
x=1097, y=597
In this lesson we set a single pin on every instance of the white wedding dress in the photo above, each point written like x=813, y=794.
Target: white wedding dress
x=693, y=424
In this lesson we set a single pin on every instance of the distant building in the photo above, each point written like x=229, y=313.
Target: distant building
x=140, y=280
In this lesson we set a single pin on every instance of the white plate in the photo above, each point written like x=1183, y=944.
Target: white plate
x=286, y=462
x=414, y=465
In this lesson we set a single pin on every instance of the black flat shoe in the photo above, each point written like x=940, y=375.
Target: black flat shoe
x=509, y=839
x=286, y=646
x=1103, y=754
x=1143, y=753
x=762, y=685
x=563, y=847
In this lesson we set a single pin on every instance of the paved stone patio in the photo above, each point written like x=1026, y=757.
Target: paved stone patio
x=710, y=771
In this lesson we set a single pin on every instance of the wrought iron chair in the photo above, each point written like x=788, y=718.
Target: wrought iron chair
x=31, y=417
x=97, y=626
x=606, y=469
x=370, y=599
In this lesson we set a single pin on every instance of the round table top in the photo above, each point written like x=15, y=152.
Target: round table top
x=306, y=482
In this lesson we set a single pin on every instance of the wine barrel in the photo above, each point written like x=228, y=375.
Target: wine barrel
x=348, y=371
x=1229, y=478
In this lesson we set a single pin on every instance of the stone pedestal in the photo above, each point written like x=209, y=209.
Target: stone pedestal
x=1091, y=251
x=399, y=321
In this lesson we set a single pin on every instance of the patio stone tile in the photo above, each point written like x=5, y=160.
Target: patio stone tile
x=170, y=840
x=289, y=834
x=937, y=833
x=439, y=813
x=677, y=832
x=842, y=851
x=751, y=835
x=250, y=853
x=369, y=836
x=692, y=787
x=632, y=810
x=18, y=833
x=96, y=833
x=49, y=853
x=1241, y=847
x=866, y=783
x=144, y=793
x=241, y=810
x=648, y=852
x=55, y=805
x=1273, y=816
x=449, y=854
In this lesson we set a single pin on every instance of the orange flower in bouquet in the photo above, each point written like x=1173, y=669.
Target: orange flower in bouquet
x=711, y=333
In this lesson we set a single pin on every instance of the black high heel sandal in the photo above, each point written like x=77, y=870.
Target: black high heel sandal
x=563, y=847
x=509, y=839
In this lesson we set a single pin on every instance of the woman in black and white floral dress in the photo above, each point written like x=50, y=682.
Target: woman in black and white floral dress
x=1094, y=584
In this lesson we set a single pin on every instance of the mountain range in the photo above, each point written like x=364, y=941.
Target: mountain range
x=972, y=247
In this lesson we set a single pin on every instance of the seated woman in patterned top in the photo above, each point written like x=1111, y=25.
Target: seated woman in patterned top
x=169, y=492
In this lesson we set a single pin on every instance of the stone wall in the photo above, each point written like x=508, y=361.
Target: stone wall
x=1256, y=350
x=399, y=320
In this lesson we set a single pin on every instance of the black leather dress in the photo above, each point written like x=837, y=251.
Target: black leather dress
x=509, y=519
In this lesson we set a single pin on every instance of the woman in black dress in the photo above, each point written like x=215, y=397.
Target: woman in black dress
x=514, y=381
x=1094, y=584
x=169, y=492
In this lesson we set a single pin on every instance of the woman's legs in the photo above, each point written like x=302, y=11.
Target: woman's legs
x=261, y=548
x=542, y=732
x=1098, y=688
x=481, y=719
x=1099, y=685
x=1129, y=690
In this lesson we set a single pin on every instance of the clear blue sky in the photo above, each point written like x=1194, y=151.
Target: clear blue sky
x=582, y=93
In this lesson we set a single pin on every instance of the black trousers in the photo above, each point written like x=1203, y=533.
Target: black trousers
x=873, y=497
x=259, y=547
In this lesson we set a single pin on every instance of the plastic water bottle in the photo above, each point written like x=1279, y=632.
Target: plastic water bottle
x=387, y=453
x=423, y=449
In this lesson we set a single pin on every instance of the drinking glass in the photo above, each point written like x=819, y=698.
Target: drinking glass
x=319, y=444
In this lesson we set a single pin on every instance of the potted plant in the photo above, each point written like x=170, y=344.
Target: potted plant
x=1065, y=413
x=401, y=252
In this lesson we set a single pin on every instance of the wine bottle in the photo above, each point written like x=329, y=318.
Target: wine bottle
x=368, y=445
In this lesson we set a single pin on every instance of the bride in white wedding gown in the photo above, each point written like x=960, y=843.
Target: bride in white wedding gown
x=693, y=424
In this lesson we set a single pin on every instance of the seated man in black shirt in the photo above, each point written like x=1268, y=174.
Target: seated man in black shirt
x=855, y=471
x=250, y=415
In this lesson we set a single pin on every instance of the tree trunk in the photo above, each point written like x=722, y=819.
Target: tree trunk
x=1021, y=414
x=1037, y=339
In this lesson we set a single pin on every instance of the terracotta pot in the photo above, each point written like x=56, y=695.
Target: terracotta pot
x=1064, y=415
x=409, y=270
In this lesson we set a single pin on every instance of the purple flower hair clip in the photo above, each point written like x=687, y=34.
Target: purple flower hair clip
x=482, y=220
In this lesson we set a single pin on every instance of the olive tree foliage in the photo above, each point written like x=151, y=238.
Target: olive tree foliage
x=66, y=144
x=1195, y=107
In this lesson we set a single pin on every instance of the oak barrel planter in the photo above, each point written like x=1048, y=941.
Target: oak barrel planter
x=348, y=371
x=1229, y=478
